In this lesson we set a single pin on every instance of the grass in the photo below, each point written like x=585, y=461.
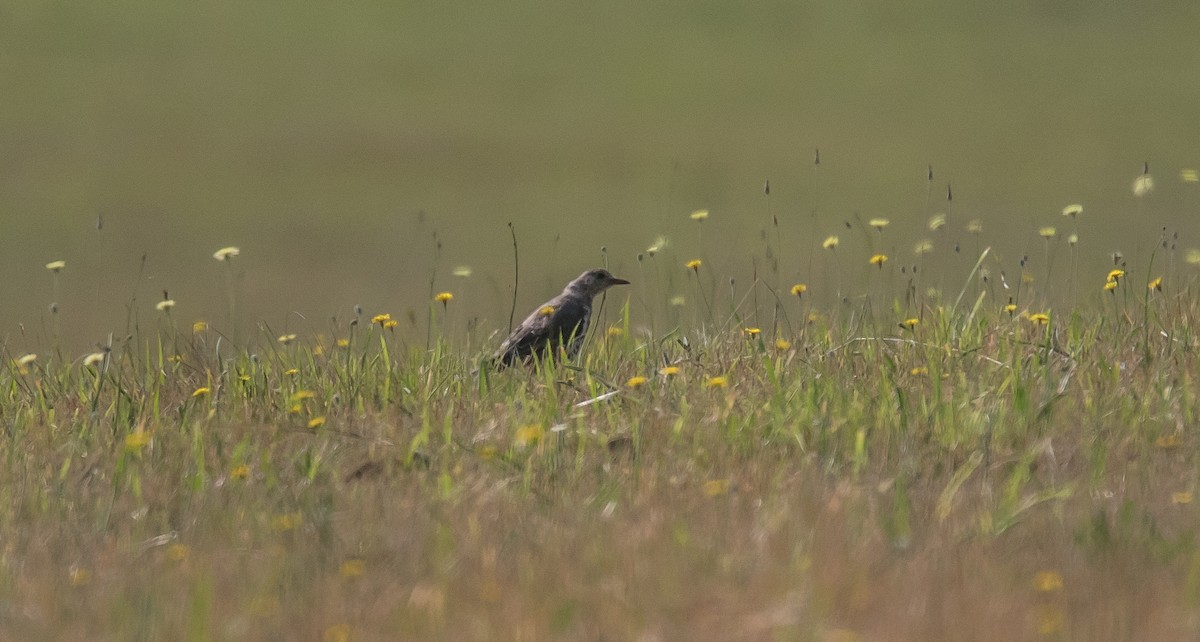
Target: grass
x=894, y=466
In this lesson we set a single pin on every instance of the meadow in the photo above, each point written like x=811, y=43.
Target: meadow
x=943, y=460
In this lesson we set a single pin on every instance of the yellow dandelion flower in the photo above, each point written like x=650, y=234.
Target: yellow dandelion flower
x=175, y=358
x=201, y=392
x=343, y=343
x=1189, y=176
x=199, y=327
x=26, y=359
x=783, y=344
x=1047, y=581
x=546, y=310
x=93, y=359
x=698, y=215
x=444, y=297
x=1047, y=232
x=1110, y=286
x=178, y=552
x=1116, y=275
x=975, y=226
x=352, y=568
x=799, y=289
x=295, y=409
x=241, y=471
x=693, y=265
x=286, y=338
x=1072, y=210
x=636, y=381
x=752, y=331
x=1156, y=284
x=1010, y=308
x=919, y=371
x=380, y=318
x=56, y=266
x=878, y=259
x=717, y=382
x=316, y=422
x=716, y=487
x=910, y=323
x=879, y=223
x=226, y=253
x=1183, y=497
x=1039, y=318
x=669, y=371
x=303, y=395
x=136, y=440
x=286, y=521
x=830, y=242
x=614, y=331
x=291, y=372
x=924, y=246
x=1143, y=185
x=937, y=222
x=462, y=271
x=529, y=435
x=390, y=324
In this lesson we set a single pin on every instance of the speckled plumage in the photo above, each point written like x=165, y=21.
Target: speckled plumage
x=559, y=322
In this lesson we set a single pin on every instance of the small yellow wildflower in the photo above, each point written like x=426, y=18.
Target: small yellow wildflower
x=717, y=382
x=669, y=371
x=1182, y=497
x=546, y=310
x=390, y=324
x=241, y=471
x=316, y=422
x=1072, y=210
x=1026, y=278
x=1047, y=232
x=636, y=381
x=226, y=253
x=352, y=568
x=919, y=371
x=1143, y=185
x=879, y=223
x=462, y=271
x=56, y=266
x=937, y=222
x=199, y=326
x=165, y=305
x=924, y=246
x=716, y=487
x=93, y=359
x=1010, y=308
x=1192, y=257
x=291, y=372
x=343, y=343
x=910, y=323
x=286, y=338
x=830, y=242
x=136, y=440
x=752, y=331
x=295, y=409
x=782, y=344
x=799, y=289
x=444, y=297
x=303, y=395
x=1189, y=176
x=878, y=259
x=698, y=215
x=178, y=552
x=614, y=331
x=381, y=318
x=286, y=521
x=529, y=435
x=26, y=359
x=678, y=300
x=1110, y=286
x=1073, y=238
x=1156, y=284
x=200, y=392
x=975, y=226
x=1039, y=318
x=693, y=265
x=1047, y=581
x=1116, y=275
x=175, y=358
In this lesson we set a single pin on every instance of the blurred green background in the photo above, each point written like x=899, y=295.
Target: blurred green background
x=333, y=141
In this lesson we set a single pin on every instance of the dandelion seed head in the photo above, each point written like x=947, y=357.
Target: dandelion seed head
x=1073, y=238
x=677, y=301
x=1047, y=232
x=165, y=305
x=1143, y=185
x=660, y=243
x=937, y=222
x=226, y=253
x=879, y=223
x=461, y=271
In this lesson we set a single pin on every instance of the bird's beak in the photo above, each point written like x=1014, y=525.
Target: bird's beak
x=615, y=281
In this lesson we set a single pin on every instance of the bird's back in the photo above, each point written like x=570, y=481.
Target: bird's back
x=561, y=321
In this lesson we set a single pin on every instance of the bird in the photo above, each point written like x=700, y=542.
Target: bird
x=558, y=323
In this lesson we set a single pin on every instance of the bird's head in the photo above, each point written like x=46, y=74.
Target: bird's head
x=594, y=282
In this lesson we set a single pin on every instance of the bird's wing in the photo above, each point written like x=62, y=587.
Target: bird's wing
x=541, y=330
